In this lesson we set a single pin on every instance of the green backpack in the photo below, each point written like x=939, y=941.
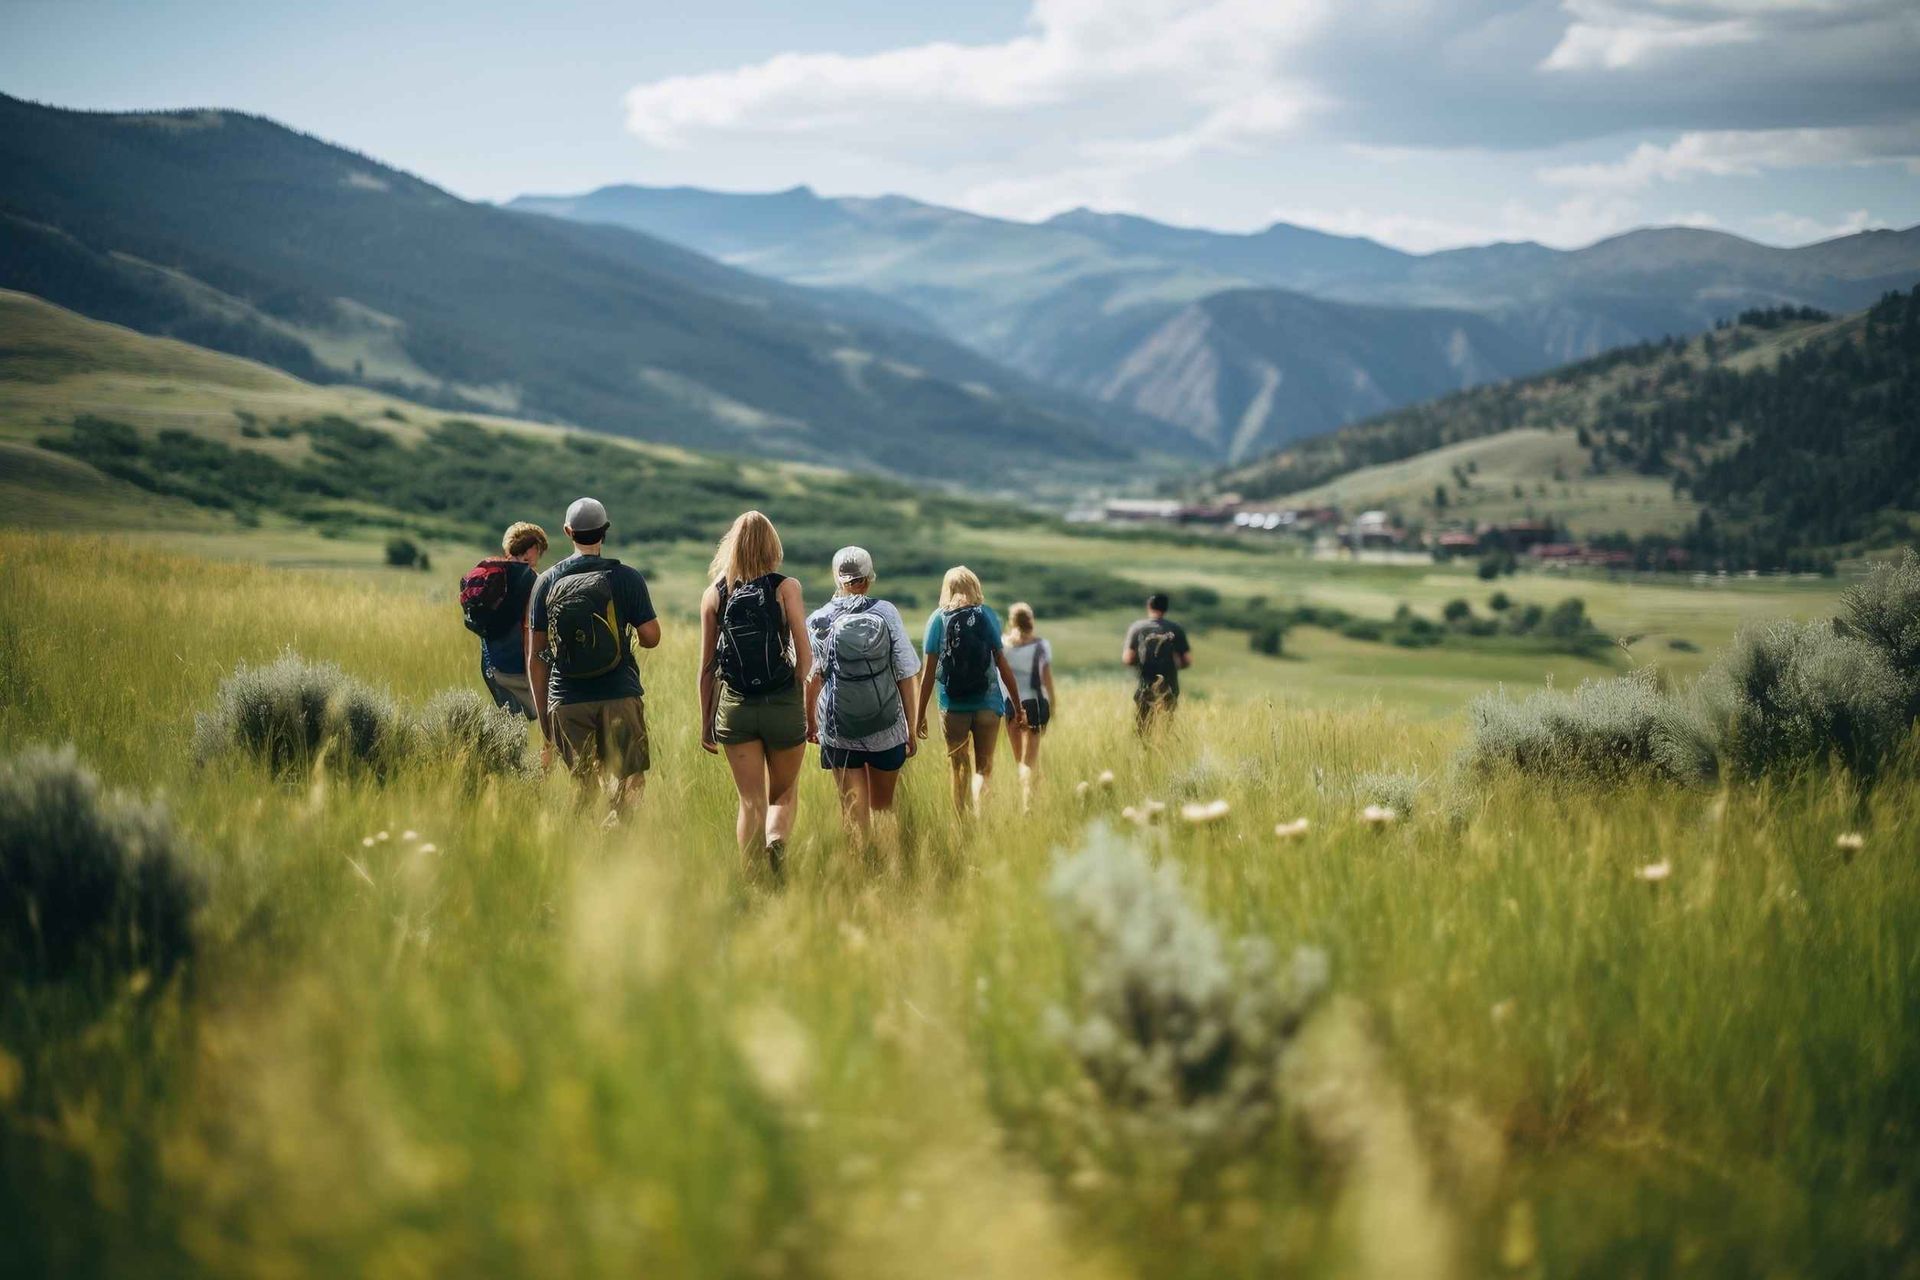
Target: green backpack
x=584, y=634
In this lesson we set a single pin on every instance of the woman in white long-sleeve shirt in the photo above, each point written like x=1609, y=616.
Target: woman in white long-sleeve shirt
x=860, y=695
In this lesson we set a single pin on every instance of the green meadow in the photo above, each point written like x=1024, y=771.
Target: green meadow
x=436, y=1026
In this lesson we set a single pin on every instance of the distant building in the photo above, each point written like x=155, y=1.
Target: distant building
x=1456, y=542
x=1138, y=509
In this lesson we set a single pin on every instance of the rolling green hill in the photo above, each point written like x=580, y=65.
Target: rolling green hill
x=1786, y=435
x=238, y=234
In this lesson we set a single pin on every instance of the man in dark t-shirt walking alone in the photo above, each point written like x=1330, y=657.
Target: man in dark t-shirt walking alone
x=1158, y=650
x=583, y=619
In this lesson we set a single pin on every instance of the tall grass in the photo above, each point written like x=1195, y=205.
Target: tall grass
x=519, y=1043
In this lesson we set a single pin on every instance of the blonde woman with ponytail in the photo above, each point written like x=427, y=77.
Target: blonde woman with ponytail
x=754, y=660
x=1030, y=658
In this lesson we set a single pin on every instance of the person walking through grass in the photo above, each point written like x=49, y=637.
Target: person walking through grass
x=860, y=704
x=1030, y=658
x=493, y=604
x=965, y=651
x=584, y=618
x=1158, y=651
x=753, y=647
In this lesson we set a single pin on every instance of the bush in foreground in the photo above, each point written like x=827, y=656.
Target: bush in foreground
x=1793, y=695
x=1884, y=611
x=1605, y=731
x=90, y=882
x=290, y=711
x=1180, y=1036
x=459, y=726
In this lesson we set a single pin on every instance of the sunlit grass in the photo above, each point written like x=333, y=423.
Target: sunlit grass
x=517, y=1043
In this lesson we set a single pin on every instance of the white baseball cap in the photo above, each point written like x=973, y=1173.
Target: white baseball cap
x=586, y=515
x=852, y=564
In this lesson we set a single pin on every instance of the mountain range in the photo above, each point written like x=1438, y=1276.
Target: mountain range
x=1246, y=342
x=242, y=235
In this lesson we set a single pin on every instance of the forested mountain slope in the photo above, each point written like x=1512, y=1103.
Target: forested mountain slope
x=241, y=235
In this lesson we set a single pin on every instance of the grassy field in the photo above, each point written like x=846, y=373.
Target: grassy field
x=504, y=1040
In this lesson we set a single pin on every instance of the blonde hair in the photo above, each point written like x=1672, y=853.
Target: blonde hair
x=520, y=535
x=750, y=549
x=1020, y=623
x=960, y=588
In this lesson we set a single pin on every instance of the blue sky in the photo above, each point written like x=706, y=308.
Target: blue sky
x=1425, y=123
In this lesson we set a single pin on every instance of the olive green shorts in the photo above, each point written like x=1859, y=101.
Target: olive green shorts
x=777, y=720
x=609, y=738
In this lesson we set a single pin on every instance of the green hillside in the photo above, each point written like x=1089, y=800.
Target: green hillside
x=1775, y=441
x=241, y=235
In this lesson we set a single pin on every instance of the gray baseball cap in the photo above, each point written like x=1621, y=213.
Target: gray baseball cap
x=586, y=515
x=852, y=564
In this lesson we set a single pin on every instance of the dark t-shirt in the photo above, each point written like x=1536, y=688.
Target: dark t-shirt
x=1139, y=639
x=631, y=604
x=506, y=653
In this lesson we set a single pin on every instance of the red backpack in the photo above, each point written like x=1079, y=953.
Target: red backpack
x=483, y=598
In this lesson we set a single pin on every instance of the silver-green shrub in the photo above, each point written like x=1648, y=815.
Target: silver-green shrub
x=1884, y=611
x=1180, y=1035
x=291, y=710
x=460, y=728
x=1791, y=695
x=1398, y=791
x=91, y=882
x=1605, y=732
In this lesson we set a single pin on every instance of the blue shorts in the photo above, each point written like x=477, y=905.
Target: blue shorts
x=892, y=760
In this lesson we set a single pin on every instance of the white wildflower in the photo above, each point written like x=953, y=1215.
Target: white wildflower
x=1200, y=814
x=1850, y=841
x=1655, y=872
x=1292, y=830
x=1379, y=815
x=1106, y=777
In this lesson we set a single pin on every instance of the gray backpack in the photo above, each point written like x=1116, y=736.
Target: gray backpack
x=866, y=695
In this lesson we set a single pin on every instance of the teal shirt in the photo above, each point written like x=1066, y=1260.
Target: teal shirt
x=995, y=698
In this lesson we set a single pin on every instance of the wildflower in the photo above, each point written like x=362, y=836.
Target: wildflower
x=1655, y=872
x=1379, y=816
x=1850, y=841
x=1200, y=814
x=366, y=842
x=1292, y=830
x=429, y=847
x=1081, y=788
x=409, y=836
x=379, y=835
x=1106, y=777
x=1501, y=1010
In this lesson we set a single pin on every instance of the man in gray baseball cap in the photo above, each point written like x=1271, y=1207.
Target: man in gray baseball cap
x=583, y=619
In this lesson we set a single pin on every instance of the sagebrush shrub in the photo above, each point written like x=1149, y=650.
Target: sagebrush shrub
x=90, y=882
x=1884, y=611
x=289, y=711
x=1180, y=1035
x=1604, y=732
x=1791, y=695
x=460, y=727
x=1399, y=792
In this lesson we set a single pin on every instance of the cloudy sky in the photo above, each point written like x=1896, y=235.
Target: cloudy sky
x=1423, y=123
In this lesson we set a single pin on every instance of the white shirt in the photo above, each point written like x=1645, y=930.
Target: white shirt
x=1027, y=660
x=906, y=662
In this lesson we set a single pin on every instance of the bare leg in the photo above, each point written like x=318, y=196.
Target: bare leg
x=748, y=760
x=985, y=733
x=855, y=804
x=783, y=790
x=886, y=825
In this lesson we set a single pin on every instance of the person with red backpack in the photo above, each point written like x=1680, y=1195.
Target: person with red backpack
x=493, y=605
x=753, y=648
x=584, y=618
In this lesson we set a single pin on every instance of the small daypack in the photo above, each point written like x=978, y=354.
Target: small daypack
x=966, y=653
x=584, y=632
x=484, y=590
x=866, y=695
x=1159, y=656
x=752, y=654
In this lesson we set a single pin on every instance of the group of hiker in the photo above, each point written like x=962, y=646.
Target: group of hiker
x=560, y=648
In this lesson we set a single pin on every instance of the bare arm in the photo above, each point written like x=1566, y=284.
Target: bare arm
x=647, y=634
x=537, y=671
x=709, y=637
x=794, y=607
x=1018, y=711
x=816, y=681
x=917, y=719
x=1046, y=681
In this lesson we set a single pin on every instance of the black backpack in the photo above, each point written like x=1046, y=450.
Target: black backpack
x=484, y=591
x=1159, y=657
x=752, y=655
x=966, y=652
x=585, y=636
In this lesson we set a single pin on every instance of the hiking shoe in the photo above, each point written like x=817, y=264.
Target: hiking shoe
x=777, y=859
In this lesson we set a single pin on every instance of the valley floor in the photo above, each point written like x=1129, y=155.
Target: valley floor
x=436, y=1026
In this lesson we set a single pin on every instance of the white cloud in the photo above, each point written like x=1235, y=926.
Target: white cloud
x=1794, y=228
x=1567, y=225
x=1611, y=36
x=1742, y=153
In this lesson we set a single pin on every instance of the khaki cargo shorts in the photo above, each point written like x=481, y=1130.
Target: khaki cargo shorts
x=609, y=738
x=779, y=720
